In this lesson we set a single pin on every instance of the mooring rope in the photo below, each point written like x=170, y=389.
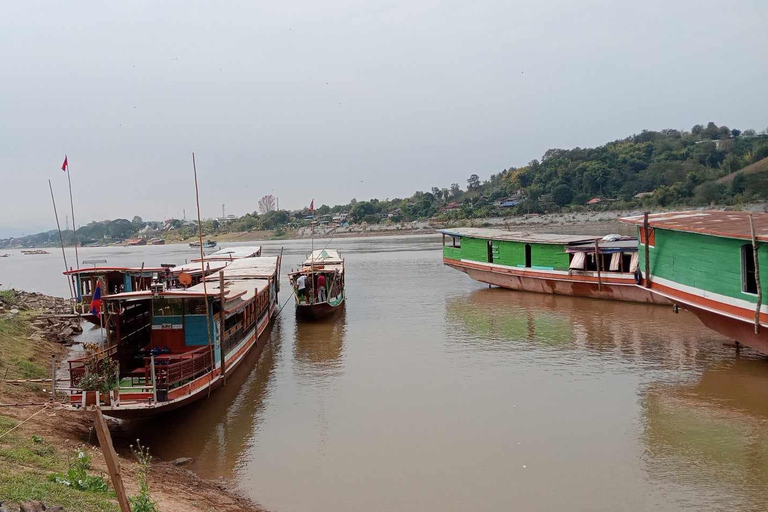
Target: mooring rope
x=23, y=422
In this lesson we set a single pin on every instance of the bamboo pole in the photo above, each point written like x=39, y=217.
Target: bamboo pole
x=646, y=234
x=110, y=457
x=154, y=381
x=597, y=262
x=221, y=327
x=757, y=274
x=202, y=267
x=53, y=377
x=72, y=209
x=61, y=239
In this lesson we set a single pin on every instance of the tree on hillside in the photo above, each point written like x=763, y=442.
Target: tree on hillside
x=267, y=204
x=455, y=190
x=562, y=195
x=437, y=192
x=137, y=223
x=473, y=183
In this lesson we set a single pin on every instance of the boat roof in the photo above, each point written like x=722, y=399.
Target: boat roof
x=240, y=284
x=324, y=257
x=234, y=253
x=715, y=223
x=249, y=268
x=517, y=236
x=195, y=269
x=103, y=270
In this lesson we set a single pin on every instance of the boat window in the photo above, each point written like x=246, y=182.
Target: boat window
x=456, y=242
x=615, y=262
x=166, y=307
x=577, y=261
x=233, y=321
x=748, y=280
x=195, y=306
x=490, y=251
x=528, y=255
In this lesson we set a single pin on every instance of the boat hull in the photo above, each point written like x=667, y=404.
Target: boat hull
x=737, y=323
x=610, y=287
x=317, y=311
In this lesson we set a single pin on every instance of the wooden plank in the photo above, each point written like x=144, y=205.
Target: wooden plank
x=647, y=254
x=221, y=331
x=113, y=465
x=597, y=263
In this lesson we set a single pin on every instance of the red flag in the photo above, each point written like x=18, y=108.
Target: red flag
x=312, y=206
x=64, y=165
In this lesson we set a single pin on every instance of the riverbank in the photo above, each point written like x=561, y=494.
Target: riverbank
x=46, y=439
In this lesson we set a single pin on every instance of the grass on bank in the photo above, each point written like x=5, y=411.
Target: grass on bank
x=27, y=463
x=28, y=460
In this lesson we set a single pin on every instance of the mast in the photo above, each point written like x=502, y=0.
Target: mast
x=61, y=239
x=72, y=208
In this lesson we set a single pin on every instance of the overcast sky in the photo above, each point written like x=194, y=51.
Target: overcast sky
x=340, y=99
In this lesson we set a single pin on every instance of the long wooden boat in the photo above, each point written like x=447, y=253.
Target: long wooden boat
x=705, y=261
x=313, y=300
x=577, y=265
x=174, y=346
x=207, y=244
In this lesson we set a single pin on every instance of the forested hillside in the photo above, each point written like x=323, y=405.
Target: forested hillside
x=651, y=169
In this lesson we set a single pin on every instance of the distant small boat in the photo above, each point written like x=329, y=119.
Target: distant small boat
x=136, y=241
x=157, y=241
x=206, y=245
x=314, y=300
x=34, y=251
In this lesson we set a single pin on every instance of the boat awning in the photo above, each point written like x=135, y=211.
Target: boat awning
x=107, y=270
x=715, y=223
x=324, y=257
x=249, y=268
x=194, y=269
x=234, y=253
x=517, y=236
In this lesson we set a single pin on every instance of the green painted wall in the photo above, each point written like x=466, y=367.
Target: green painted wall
x=509, y=253
x=710, y=263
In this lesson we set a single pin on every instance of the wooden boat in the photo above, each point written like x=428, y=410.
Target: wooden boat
x=315, y=301
x=705, y=261
x=157, y=241
x=208, y=244
x=174, y=346
x=136, y=241
x=577, y=265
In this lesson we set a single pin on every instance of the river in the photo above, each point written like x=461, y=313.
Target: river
x=433, y=392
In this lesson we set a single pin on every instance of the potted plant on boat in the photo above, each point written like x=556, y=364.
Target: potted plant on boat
x=100, y=384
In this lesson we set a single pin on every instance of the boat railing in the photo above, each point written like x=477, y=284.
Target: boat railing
x=77, y=366
x=172, y=372
x=231, y=338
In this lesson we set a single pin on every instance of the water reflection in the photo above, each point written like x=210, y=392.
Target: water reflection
x=711, y=435
x=499, y=320
x=318, y=347
x=215, y=432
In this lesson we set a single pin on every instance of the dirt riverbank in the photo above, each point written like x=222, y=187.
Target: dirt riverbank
x=39, y=439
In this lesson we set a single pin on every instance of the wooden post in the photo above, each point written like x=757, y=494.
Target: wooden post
x=154, y=382
x=113, y=466
x=646, y=234
x=597, y=262
x=53, y=378
x=757, y=274
x=221, y=327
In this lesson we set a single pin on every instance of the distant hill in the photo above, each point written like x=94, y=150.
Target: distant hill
x=708, y=165
x=760, y=166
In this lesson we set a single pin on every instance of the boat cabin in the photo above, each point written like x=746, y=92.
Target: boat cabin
x=323, y=265
x=111, y=279
x=541, y=251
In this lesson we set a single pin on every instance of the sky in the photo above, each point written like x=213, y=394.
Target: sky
x=344, y=99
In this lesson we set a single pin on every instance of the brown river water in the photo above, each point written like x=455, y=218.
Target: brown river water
x=432, y=392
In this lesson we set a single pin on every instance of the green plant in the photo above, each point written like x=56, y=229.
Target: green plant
x=100, y=372
x=77, y=475
x=143, y=502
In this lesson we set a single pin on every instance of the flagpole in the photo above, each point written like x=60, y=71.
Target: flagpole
x=72, y=208
x=205, y=287
x=61, y=239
